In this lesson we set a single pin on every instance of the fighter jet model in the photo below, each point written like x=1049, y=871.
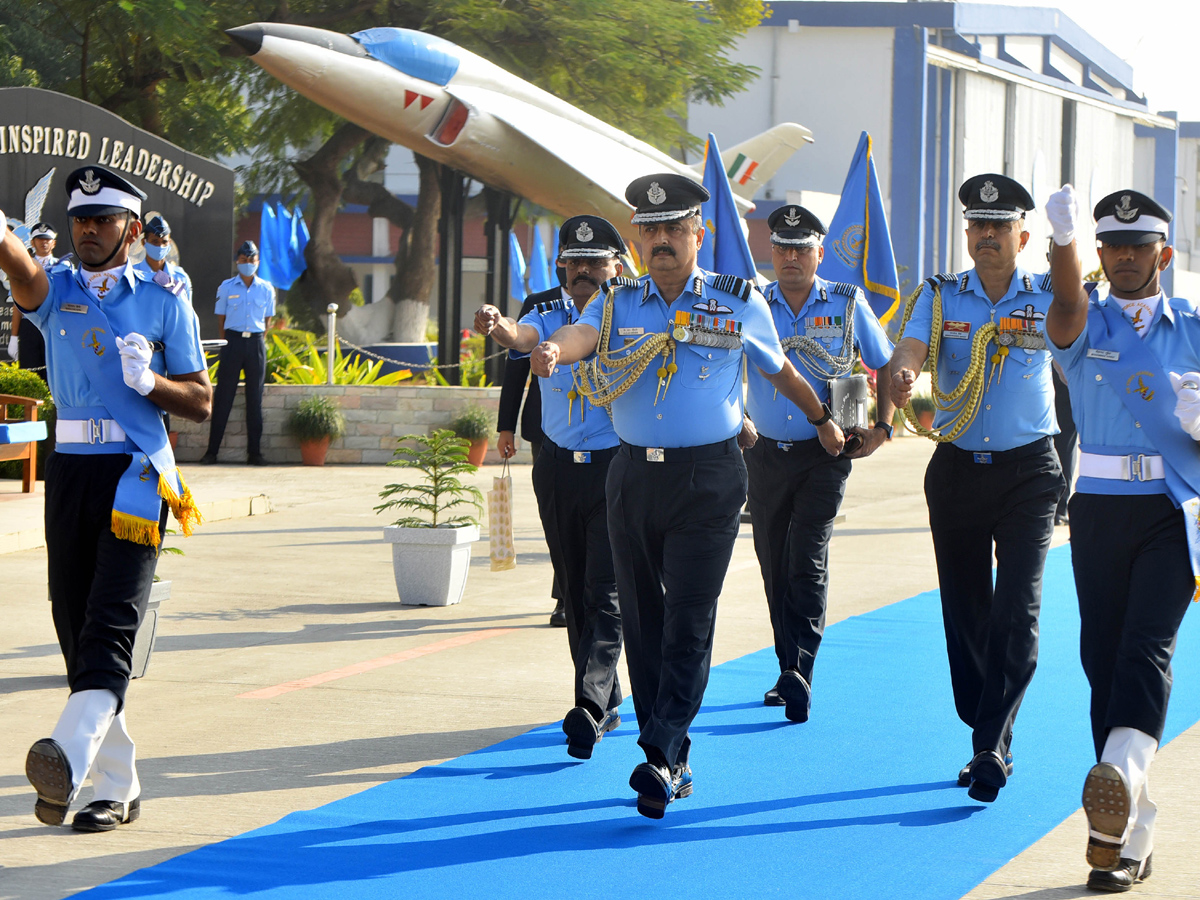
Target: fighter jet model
x=431, y=95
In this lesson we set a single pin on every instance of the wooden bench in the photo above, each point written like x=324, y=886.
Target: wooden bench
x=19, y=437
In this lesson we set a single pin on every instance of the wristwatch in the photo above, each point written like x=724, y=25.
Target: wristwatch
x=887, y=429
x=825, y=418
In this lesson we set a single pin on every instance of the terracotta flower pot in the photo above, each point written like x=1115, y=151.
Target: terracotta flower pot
x=173, y=437
x=477, y=452
x=312, y=453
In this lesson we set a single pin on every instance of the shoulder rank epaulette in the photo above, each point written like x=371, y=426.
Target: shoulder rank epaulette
x=962, y=284
x=943, y=278
x=1028, y=282
x=731, y=284
x=620, y=281
x=548, y=305
x=840, y=287
x=1045, y=284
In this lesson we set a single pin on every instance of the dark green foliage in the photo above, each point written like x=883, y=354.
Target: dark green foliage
x=474, y=423
x=315, y=417
x=20, y=383
x=441, y=497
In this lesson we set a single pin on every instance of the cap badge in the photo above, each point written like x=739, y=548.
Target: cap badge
x=989, y=193
x=1124, y=211
x=791, y=218
x=656, y=194
x=584, y=232
x=89, y=184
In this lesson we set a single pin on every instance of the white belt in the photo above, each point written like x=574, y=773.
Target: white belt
x=1135, y=467
x=88, y=431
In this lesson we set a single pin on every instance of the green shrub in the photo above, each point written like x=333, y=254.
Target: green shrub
x=441, y=458
x=474, y=423
x=21, y=383
x=315, y=417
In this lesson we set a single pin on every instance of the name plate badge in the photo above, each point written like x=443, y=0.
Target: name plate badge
x=956, y=331
x=1110, y=355
x=74, y=307
x=655, y=454
x=630, y=330
x=583, y=456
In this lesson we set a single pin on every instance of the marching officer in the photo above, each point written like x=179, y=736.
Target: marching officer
x=28, y=348
x=669, y=348
x=993, y=483
x=156, y=238
x=121, y=352
x=569, y=481
x=245, y=304
x=1134, y=547
x=796, y=488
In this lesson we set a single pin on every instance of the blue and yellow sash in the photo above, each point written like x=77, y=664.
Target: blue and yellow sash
x=1148, y=397
x=152, y=475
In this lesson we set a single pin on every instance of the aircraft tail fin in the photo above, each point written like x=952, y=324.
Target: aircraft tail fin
x=752, y=163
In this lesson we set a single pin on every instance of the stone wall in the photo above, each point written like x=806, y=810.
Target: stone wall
x=375, y=417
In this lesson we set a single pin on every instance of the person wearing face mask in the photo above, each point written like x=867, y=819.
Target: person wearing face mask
x=245, y=305
x=993, y=482
x=1132, y=359
x=569, y=481
x=157, y=243
x=796, y=488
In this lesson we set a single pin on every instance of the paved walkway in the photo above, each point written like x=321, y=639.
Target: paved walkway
x=308, y=589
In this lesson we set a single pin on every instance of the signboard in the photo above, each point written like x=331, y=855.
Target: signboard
x=44, y=136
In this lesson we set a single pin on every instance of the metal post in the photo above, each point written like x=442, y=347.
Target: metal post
x=450, y=272
x=501, y=211
x=331, y=341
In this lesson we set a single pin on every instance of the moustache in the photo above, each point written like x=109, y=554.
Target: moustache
x=663, y=251
x=987, y=242
x=587, y=278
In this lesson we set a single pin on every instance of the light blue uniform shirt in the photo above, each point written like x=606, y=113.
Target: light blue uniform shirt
x=572, y=424
x=134, y=304
x=179, y=282
x=703, y=403
x=1017, y=408
x=1104, y=424
x=822, y=318
x=245, y=308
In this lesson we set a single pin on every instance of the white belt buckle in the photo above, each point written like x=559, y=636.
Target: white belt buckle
x=245, y=334
x=1138, y=470
x=583, y=456
x=94, y=431
x=655, y=454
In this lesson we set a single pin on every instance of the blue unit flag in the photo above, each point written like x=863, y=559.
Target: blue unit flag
x=539, y=266
x=858, y=249
x=725, y=249
x=516, y=269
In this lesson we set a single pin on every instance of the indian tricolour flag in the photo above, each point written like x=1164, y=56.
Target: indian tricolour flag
x=741, y=170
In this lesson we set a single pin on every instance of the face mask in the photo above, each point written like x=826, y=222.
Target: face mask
x=247, y=269
x=156, y=252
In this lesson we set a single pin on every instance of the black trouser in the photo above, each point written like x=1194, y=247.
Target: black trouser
x=673, y=525
x=1064, y=441
x=574, y=516
x=1134, y=581
x=238, y=355
x=99, y=584
x=992, y=630
x=31, y=350
x=794, y=497
x=535, y=449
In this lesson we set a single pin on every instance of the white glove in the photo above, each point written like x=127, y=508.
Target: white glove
x=1062, y=212
x=1187, y=403
x=13, y=343
x=135, y=362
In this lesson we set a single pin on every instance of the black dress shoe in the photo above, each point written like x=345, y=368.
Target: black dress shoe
x=49, y=772
x=558, y=618
x=584, y=732
x=796, y=695
x=1062, y=519
x=1128, y=873
x=772, y=698
x=257, y=460
x=657, y=786
x=964, y=774
x=208, y=459
x=1106, y=805
x=106, y=815
x=989, y=773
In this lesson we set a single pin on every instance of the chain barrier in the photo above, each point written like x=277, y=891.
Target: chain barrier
x=424, y=366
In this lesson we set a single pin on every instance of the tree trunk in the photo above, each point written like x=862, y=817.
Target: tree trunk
x=416, y=273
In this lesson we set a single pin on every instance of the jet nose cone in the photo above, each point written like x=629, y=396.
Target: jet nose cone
x=248, y=37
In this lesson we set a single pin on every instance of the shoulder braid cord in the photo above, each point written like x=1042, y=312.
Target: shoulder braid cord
x=820, y=363
x=965, y=398
x=608, y=375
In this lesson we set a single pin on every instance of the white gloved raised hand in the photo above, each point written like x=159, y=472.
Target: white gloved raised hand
x=13, y=343
x=1062, y=212
x=135, y=362
x=1187, y=402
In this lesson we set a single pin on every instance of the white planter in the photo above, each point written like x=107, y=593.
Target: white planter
x=143, y=644
x=431, y=564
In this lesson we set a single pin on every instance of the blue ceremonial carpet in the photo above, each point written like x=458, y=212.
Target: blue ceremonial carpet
x=840, y=807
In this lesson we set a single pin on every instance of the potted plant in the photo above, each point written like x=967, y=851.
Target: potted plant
x=316, y=421
x=922, y=407
x=475, y=424
x=431, y=550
